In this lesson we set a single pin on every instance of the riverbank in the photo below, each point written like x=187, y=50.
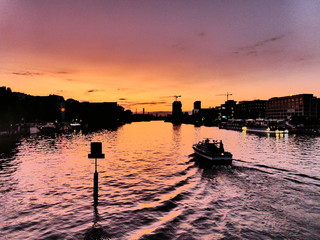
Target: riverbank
x=277, y=127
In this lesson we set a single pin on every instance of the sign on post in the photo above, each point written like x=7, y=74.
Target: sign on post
x=96, y=150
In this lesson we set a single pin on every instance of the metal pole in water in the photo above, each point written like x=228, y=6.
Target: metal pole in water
x=95, y=186
x=96, y=152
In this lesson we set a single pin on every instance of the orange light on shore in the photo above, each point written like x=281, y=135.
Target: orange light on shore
x=63, y=109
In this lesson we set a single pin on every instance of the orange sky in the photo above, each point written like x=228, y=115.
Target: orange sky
x=141, y=53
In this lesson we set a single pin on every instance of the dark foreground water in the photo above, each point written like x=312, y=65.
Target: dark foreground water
x=150, y=188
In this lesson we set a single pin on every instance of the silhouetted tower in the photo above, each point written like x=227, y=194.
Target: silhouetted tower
x=196, y=115
x=228, y=109
x=176, y=110
x=197, y=105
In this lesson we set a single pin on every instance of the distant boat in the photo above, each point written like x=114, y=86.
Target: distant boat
x=48, y=128
x=212, y=151
x=75, y=125
x=264, y=130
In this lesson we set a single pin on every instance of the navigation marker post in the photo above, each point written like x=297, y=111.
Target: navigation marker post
x=96, y=152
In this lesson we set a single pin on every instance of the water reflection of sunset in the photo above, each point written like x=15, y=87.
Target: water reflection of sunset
x=150, y=186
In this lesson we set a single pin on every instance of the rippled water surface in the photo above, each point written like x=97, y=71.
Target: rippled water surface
x=150, y=188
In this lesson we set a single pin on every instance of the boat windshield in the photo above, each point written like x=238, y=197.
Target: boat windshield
x=215, y=146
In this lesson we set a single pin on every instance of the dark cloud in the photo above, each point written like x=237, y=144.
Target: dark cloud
x=166, y=97
x=123, y=89
x=253, y=50
x=251, y=53
x=152, y=103
x=146, y=103
x=131, y=90
x=179, y=46
x=62, y=72
x=27, y=73
x=169, y=97
x=122, y=99
x=94, y=90
x=62, y=91
x=262, y=43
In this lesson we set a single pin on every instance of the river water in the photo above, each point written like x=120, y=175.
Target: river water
x=151, y=188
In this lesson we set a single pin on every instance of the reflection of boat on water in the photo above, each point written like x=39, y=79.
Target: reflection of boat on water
x=213, y=152
x=265, y=130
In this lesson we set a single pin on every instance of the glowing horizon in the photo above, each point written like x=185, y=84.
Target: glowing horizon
x=142, y=53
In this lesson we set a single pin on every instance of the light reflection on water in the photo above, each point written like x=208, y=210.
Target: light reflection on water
x=149, y=187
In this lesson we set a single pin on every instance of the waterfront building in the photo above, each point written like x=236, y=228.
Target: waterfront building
x=176, y=108
x=227, y=110
x=206, y=116
x=196, y=107
x=251, y=109
x=196, y=116
x=209, y=116
x=100, y=114
x=43, y=108
x=301, y=105
x=176, y=112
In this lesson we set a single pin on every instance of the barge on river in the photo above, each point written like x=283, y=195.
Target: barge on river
x=212, y=152
x=265, y=130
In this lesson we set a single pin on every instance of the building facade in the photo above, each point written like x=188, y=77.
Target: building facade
x=251, y=109
x=177, y=112
x=302, y=105
x=227, y=110
x=196, y=107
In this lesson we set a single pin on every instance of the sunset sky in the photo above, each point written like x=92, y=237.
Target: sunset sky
x=140, y=53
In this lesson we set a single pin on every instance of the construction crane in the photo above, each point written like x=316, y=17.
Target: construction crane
x=176, y=97
x=227, y=94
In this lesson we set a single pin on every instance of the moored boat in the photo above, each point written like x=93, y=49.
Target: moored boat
x=212, y=151
x=75, y=126
x=265, y=130
x=48, y=128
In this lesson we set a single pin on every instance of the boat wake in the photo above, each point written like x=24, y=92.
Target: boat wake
x=287, y=174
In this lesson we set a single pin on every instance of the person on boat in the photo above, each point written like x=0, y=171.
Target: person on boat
x=212, y=147
x=221, y=147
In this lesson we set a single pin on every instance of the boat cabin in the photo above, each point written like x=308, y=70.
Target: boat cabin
x=214, y=147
